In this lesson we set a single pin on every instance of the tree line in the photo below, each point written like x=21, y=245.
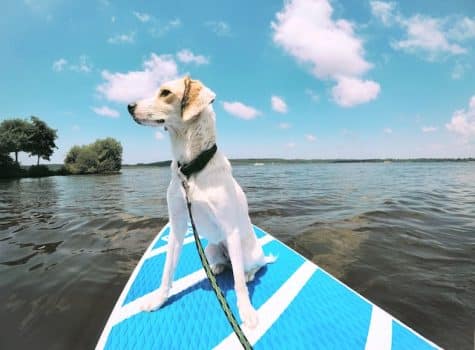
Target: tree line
x=36, y=138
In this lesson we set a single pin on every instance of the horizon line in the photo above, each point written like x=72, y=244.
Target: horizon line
x=322, y=160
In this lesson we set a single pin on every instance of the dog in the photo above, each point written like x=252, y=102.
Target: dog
x=219, y=206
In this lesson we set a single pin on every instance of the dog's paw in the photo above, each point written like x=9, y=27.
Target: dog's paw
x=217, y=268
x=250, y=275
x=249, y=316
x=153, y=301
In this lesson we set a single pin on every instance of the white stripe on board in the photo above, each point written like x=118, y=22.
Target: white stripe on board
x=380, y=330
x=163, y=249
x=271, y=310
x=133, y=308
x=179, y=285
x=263, y=240
x=374, y=305
x=266, y=239
x=111, y=320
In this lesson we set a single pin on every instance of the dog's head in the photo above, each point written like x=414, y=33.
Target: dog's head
x=174, y=104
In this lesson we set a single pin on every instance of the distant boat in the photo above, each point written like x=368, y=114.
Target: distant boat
x=388, y=161
x=258, y=164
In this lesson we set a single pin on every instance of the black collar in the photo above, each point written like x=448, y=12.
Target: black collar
x=197, y=164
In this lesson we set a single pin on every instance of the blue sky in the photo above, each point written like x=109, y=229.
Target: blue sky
x=294, y=79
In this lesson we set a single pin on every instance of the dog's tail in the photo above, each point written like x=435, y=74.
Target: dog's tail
x=269, y=259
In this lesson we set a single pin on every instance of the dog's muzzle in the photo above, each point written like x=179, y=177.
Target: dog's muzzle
x=152, y=122
x=149, y=122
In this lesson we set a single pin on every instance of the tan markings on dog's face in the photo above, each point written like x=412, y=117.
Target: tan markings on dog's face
x=166, y=95
x=163, y=108
x=197, y=98
x=176, y=102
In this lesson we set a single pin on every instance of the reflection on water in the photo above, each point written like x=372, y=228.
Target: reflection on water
x=401, y=234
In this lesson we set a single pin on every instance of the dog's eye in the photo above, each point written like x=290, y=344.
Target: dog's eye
x=165, y=93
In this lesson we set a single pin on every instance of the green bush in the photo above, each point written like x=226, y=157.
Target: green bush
x=102, y=156
x=39, y=171
x=9, y=168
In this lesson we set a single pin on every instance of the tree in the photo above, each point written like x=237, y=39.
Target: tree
x=102, y=156
x=72, y=155
x=87, y=160
x=14, y=136
x=109, y=155
x=41, y=140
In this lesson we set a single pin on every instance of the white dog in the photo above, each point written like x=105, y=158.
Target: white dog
x=219, y=206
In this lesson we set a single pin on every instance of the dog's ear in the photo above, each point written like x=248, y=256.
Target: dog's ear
x=196, y=97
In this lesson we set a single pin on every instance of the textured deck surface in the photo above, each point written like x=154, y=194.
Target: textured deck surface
x=300, y=306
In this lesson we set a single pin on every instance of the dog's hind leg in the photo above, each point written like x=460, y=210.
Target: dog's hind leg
x=217, y=260
x=246, y=310
x=251, y=274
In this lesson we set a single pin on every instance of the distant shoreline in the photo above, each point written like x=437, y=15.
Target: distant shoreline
x=259, y=161
x=262, y=161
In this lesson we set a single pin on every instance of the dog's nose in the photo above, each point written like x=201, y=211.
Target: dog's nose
x=131, y=108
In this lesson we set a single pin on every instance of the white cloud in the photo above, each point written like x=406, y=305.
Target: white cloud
x=176, y=22
x=106, y=111
x=113, y=19
x=305, y=30
x=186, y=56
x=84, y=65
x=311, y=138
x=349, y=92
x=240, y=110
x=290, y=145
x=426, y=34
x=159, y=135
x=383, y=11
x=429, y=129
x=429, y=37
x=463, y=29
x=76, y=127
x=122, y=39
x=160, y=29
x=313, y=95
x=463, y=121
x=42, y=8
x=330, y=48
x=459, y=70
x=142, y=17
x=134, y=85
x=388, y=130
x=220, y=28
x=278, y=104
x=284, y=125
x=59, y=65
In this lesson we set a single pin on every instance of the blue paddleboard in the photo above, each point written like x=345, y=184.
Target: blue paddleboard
x=300, y=306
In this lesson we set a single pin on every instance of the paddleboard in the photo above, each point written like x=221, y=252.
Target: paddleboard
x=300, y=306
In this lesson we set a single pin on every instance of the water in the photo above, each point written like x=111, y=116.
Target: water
x=401, y=234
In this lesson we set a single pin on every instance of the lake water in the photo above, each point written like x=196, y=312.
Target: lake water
x=401, y=234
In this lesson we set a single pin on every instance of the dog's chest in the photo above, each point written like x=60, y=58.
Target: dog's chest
x=206, y=224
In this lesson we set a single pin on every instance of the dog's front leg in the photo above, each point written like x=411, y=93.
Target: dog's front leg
x=246, y=311
x=156, y=299
x=178, y=227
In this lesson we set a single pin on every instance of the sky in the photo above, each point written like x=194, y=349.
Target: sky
x=293, y=79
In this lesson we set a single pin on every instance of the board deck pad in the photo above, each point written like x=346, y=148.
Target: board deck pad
x=300, y=306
